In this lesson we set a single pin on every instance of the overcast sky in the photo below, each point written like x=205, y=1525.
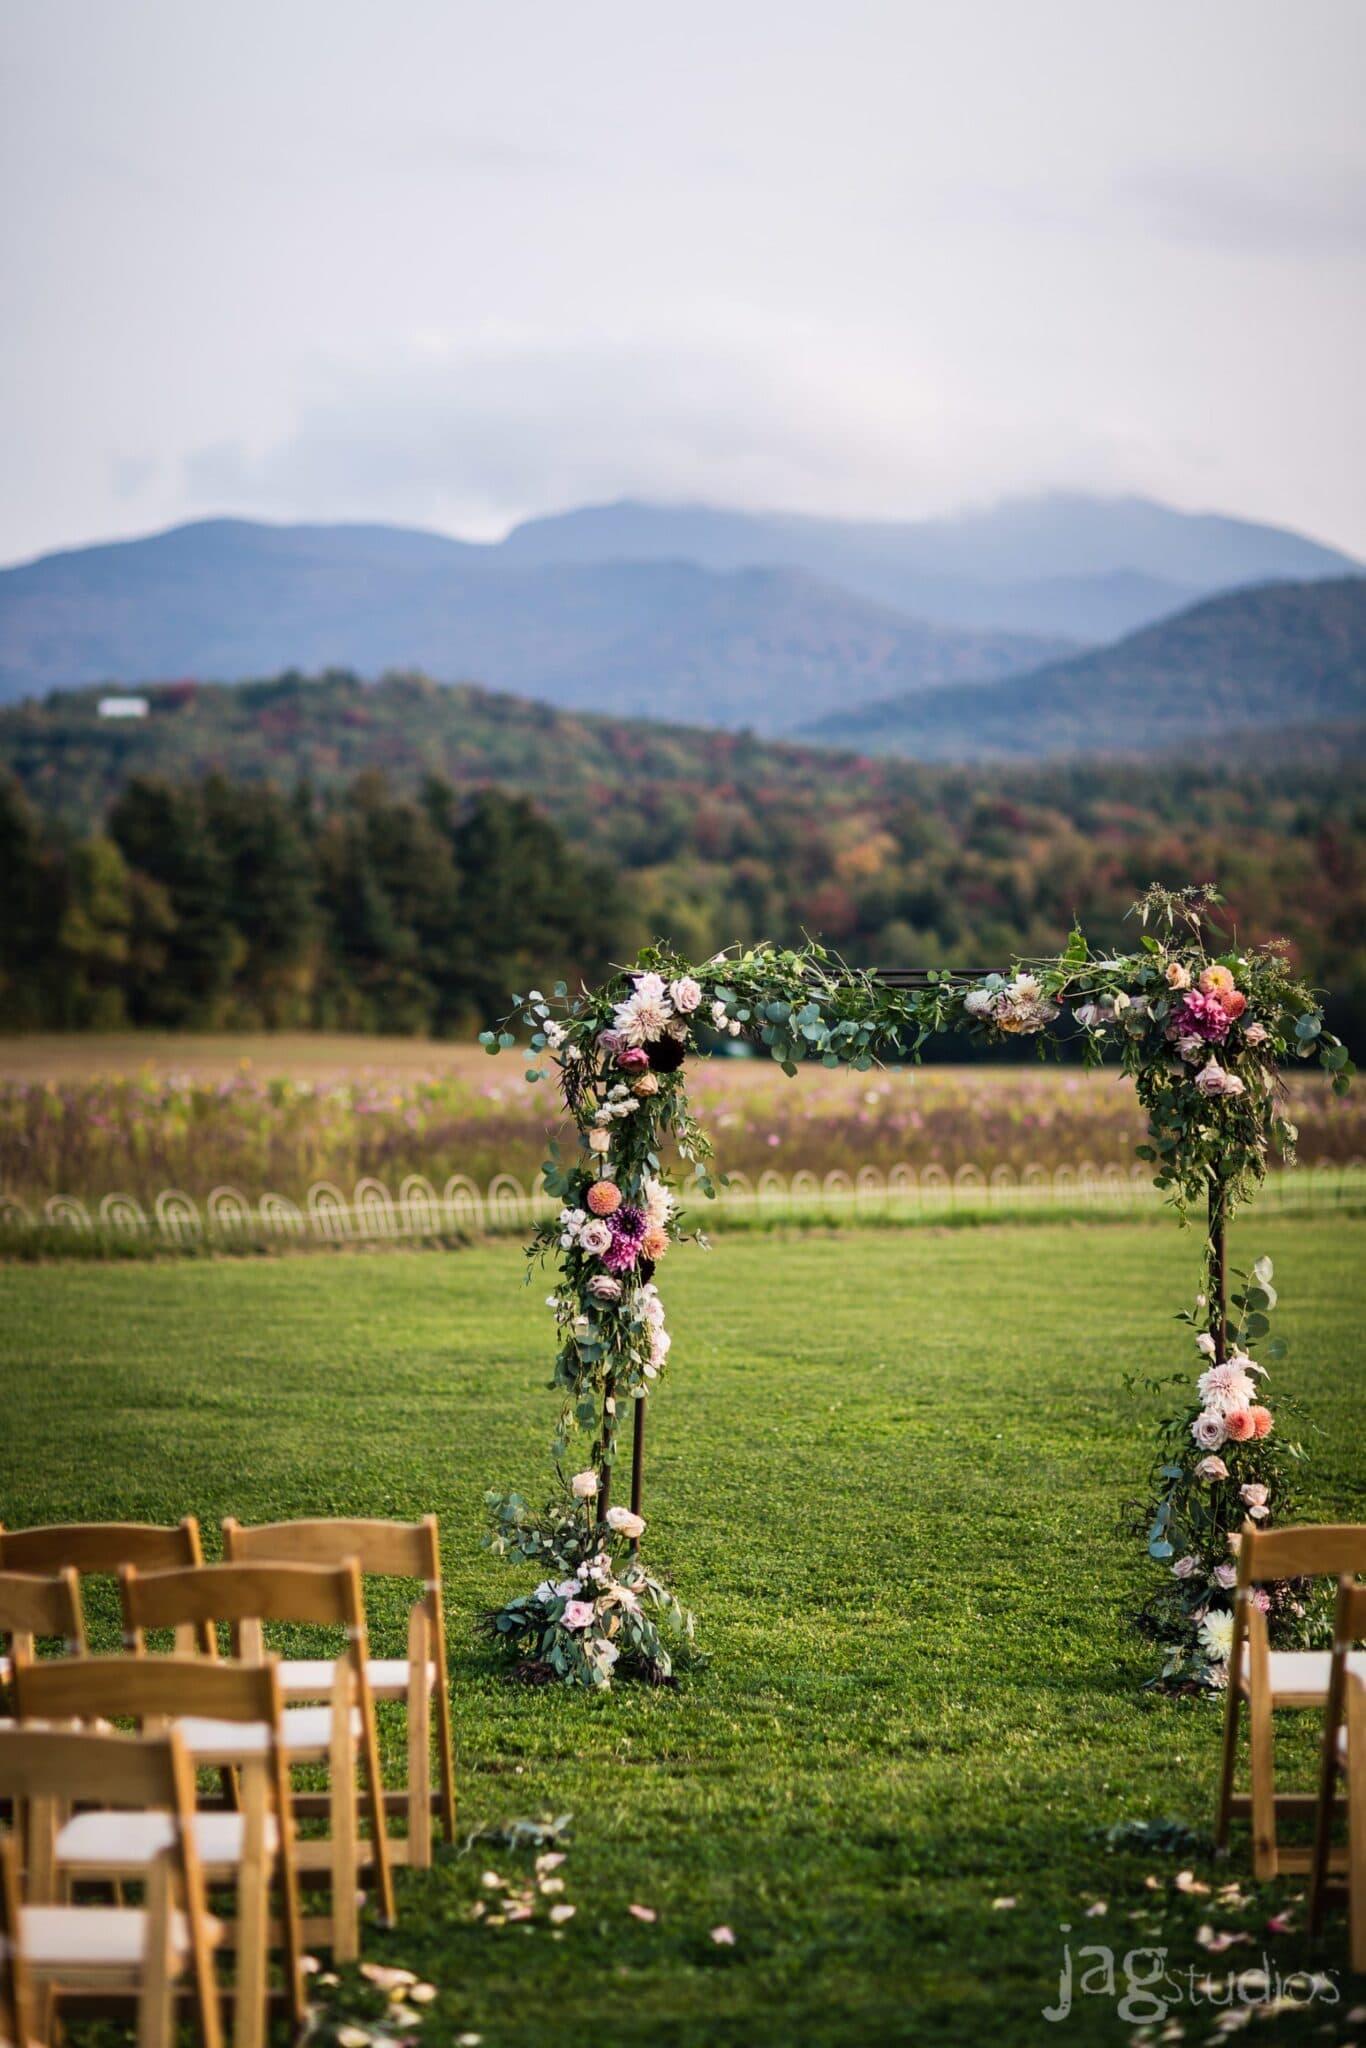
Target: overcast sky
x=450, y=262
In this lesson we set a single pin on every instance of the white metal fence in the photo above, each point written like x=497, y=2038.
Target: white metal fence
x=371, y=1212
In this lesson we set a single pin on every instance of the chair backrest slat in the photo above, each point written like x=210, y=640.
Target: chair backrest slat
x=101, y=1547
x=147, y=1688
x=109, y=1770
x=242, y=1593
x=400, y=1550
x=1307, y=1551
x=31, y=1606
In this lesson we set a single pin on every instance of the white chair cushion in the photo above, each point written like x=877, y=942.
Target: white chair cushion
x=310, y=1678
x=1302, y=1674
x=224, y=1741
x=103, y=1841
x=74, y=1938
x=304, y=1728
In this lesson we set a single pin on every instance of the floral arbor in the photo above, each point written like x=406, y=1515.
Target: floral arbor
x=1200, y=1027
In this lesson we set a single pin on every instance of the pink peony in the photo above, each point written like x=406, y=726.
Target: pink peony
x=1261, y=1600
x=685, y=994
x=577, y=1614
x=1211, y=1469
x=1262, y=1421
x=1239, y=1425
x=604, y=1197
x=1201, y=1016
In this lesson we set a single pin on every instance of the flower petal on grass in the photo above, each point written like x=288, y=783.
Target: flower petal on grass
x=561, y=1913
x=1002, y=1905
x=646, y=1913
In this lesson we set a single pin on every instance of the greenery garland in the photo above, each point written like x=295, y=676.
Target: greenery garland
x=1201, y=1031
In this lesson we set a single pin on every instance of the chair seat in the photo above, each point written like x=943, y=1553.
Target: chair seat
x=310, y=1678
x=305, y=1730
x=129, y=1841
x=1300, y=1677
x=72, y=1939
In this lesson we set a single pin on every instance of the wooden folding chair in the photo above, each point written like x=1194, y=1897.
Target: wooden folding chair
x=1267, y=1679
x=101, y=1549
x=246, y=1596
x=399, y=1550
x=16, y=1996
x=141, y=1952
x=243, y=1847
x=1344, y=1758
x=31, y=1608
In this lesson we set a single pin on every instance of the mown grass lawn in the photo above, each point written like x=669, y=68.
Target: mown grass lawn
x=887, y=1470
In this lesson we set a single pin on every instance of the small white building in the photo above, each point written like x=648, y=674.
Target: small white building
x=123, y=707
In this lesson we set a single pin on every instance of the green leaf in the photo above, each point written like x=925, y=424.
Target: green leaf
x=1263, y=1270
x=1256, y=1326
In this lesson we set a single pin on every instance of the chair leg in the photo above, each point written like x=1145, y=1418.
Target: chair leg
x=379, y=1826
x=446, y=1749
x=419, y=1771
x=1262, y=1745
x=1356, y=1839
x=1227, y=1768
x=345, y=1839
x=253, y=1917
x=156, y=2000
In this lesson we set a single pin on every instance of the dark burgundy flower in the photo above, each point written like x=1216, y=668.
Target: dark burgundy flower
x=667, y=1054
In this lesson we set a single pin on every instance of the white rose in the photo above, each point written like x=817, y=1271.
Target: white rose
x=625, y=1523
x=684, y=994
x=584, y=1485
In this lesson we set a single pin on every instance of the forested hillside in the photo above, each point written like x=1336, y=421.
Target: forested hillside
x=1267, y=656
x=281, y=853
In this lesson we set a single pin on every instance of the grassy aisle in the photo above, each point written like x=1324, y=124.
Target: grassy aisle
x=887, y=1472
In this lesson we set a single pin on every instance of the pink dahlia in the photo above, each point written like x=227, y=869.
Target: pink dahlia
x=604, y=1197
x=1240, y=1426
x=1201, y=1015
x=1261, y=1420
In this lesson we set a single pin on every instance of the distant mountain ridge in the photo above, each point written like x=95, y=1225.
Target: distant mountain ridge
x=1083, y=567
x=1276, y=655
x=608, y=604
x=668, y=639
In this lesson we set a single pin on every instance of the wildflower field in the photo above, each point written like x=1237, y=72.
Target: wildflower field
x=86, y=1116
x=888, y=1472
